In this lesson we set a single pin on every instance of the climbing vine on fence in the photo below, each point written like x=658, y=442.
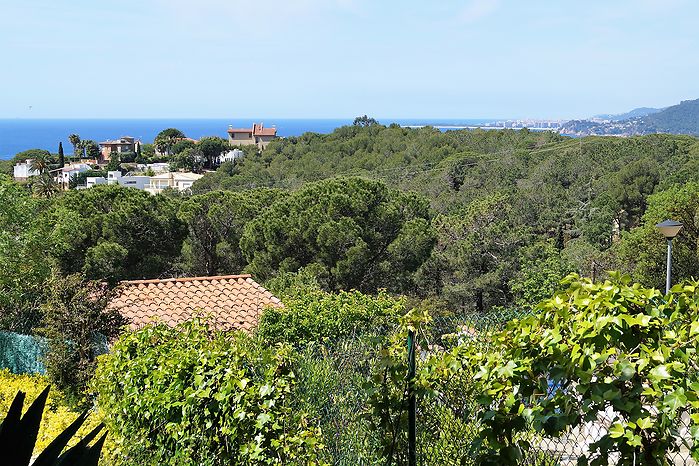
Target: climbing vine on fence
x=615, y=354
x=613, y=347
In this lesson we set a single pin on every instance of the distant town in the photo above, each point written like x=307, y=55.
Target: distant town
x=173, y=161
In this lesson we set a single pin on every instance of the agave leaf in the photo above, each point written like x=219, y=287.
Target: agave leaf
x=10, y=426
x=92, y=456
x=53, y=451
x=27, y=432
x=73, y=454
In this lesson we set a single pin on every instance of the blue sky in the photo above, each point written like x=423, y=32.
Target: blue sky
x=342, y=58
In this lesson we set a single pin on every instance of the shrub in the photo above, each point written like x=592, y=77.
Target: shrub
x=613, y=347
x=320, y=316
x=192, y=396
x=76, y=318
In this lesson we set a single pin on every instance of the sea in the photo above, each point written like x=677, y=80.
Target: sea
x=17, y=135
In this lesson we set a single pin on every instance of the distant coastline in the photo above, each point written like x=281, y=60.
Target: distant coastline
x=17, y=135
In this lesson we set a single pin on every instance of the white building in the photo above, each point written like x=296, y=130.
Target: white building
x=115, y=177
x=175, y=180
x=232, y=155
x=64, y=174
x=22, y=171
x=159, y=167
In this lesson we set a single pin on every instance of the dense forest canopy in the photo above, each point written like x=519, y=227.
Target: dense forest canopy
x=467, y=219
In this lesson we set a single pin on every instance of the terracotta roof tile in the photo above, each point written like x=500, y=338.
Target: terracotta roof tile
x=232, y=301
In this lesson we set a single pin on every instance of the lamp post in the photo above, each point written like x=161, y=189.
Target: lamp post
x=669, y=229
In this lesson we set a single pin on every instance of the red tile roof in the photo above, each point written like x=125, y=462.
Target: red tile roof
x=256, y=130
x=231, y=302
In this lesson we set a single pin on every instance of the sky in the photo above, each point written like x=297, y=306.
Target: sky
x=343, y=58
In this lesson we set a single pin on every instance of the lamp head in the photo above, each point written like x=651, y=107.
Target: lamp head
x=669, y=228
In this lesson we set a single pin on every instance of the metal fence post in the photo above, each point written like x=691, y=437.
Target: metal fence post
x=412, y=455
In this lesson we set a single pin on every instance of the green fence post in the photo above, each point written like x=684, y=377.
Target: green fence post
x=412, y=455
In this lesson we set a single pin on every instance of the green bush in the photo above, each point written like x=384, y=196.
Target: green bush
x=192, y=396
x=612, y=347
x=77, y=323
x=319, y=316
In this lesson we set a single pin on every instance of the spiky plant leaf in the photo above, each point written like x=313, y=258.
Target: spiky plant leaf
x=25, y=432
x=73, y=455
x=51, y=453
x=92, y=456
x=10, y=425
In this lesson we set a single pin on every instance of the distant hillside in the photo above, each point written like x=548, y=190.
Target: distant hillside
x=678, y=119
x=636, y=112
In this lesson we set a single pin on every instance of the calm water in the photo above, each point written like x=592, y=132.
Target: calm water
x=22, y=134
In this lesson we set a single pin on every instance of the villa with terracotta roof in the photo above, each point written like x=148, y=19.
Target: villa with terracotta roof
x=231, y=302
x=258, y=135
x=117, y=146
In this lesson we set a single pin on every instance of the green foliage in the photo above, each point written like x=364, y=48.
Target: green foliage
x=634, y=184
x=166, y=140
x=61, y=155
x=24, y=266
x=81, y=178
x=31, y=154
x=362, y=234
x=364, y=121
x=387, y=390
x=75, y=142
x=18, y=436
x=191, y=396
x=44, y=185
x=114, y=163
x=57, y=415
x=614, y=346
x=541, y=269
x=211, y=148
x=90, y=149
x=41, y=163
x=642, y=251
x=77, y=321
x=330, y=389
x=145, y=153
x=475, y=256
x=181, y=146
x=290, y=284
x=680, y=118
x=189, y=159
x=317, y=316
x=215, y=222
x=117, y=233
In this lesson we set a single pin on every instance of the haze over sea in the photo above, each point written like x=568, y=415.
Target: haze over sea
x=17, y=135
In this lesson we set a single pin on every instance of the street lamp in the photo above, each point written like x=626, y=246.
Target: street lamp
x=669, y=229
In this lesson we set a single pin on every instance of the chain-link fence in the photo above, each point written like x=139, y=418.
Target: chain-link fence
x=336, y=384
x=22, y=354
x=447, y=423
x=26, y=354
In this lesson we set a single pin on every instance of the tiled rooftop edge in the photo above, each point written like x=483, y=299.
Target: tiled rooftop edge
x=186, y=279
